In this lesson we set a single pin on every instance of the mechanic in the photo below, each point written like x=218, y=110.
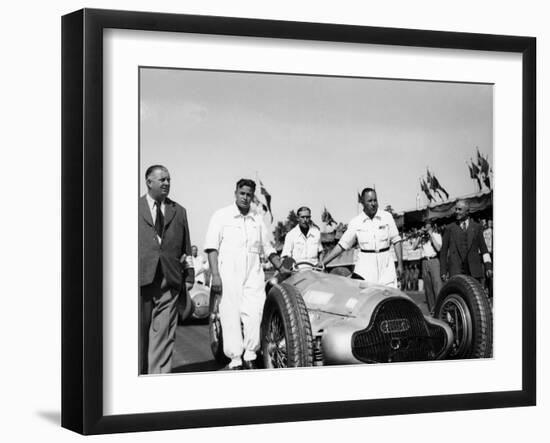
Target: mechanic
x=200, y=265
x=375, y=231
x=303, y=242
x=430, y=242
x=235, y=241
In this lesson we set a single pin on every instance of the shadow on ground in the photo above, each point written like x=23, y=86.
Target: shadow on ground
x=211, y=365
x=54, y=417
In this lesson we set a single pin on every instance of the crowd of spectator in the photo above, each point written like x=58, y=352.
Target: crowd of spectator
x=412, y=279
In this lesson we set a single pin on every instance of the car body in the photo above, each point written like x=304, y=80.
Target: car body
x=314, y=318
x=353, y=321
x=194, y=303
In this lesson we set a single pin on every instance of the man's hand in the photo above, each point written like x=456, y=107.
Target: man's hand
x=445, y=276
x=217, y=283
x=399, y=270
x=284, y=271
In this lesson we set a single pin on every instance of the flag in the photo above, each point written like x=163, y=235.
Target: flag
x=436, y=184
x=428, y=178
x=484, y=166
x=263, y=200
x=267, y=197
x=426, y=190
x=487, y=181
x=475, y=172
x=473, y=176
x=475, y=169
x=327, y=218
x=433, y=184
x=478, y=157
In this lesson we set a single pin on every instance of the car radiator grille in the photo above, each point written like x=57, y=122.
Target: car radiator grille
x=398, y=332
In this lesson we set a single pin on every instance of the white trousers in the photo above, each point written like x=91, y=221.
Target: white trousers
x=377, y=267
x=241, y=309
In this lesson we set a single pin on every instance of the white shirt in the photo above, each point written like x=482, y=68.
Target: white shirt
x=199, y=264
x=301, y=247
x=153, y=208
x=371, y=234
x=428, y=250
x=374, y=234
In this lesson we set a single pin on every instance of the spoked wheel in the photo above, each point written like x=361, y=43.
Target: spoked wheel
x=286, y=332
x=464, y=306
x=457, y=315
x=275, y=346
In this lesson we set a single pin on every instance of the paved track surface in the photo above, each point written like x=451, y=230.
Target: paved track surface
x=192, y=348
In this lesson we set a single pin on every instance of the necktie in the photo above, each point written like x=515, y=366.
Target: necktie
x=463, y=225
x=159, y=222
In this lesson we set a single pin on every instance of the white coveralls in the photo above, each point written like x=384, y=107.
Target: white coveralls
x=240, y=241
x=374, y=237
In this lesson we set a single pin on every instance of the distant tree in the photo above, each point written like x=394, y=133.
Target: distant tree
x=291, y=220
x=282, y=228
x=279, y=234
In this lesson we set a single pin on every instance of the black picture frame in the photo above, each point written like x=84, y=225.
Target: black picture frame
x=82, y=218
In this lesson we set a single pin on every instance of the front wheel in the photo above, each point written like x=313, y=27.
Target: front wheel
x=286, y=339
x=464, y=306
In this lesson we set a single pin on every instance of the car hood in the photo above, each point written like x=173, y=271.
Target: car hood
x=339, y=295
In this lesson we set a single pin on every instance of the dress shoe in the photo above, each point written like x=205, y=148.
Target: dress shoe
x=250, y=364
x=232, y=368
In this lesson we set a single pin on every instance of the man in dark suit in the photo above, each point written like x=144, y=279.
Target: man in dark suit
x=163, y=247
x=464, y=247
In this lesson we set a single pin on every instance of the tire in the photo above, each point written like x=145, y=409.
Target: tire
x=286, y=339
x=464, y=306
x=215, y=329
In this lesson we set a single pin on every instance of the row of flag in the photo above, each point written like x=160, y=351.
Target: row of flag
x=480, y=171
x=431, y=187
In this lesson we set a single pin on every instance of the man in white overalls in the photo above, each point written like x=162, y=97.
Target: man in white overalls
x=375, y=231
x=236, y=239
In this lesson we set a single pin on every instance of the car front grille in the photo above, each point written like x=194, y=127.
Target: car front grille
x=398, y=332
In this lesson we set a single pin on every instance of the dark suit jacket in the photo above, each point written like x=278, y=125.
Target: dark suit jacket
x=175, y=243
x=462, y=252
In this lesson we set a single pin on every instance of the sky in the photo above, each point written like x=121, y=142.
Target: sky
x=312, y=140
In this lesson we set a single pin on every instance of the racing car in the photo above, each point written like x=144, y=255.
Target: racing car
x=194, y=304
x=315, y=318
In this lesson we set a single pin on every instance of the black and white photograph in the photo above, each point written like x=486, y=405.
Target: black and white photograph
x=297, y=221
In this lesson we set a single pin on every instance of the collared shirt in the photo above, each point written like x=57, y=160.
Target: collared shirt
x=153, y=208
x=371, y=234
x=200, y=264
x=232, y=233
x=301, y=247
x=428, y=250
